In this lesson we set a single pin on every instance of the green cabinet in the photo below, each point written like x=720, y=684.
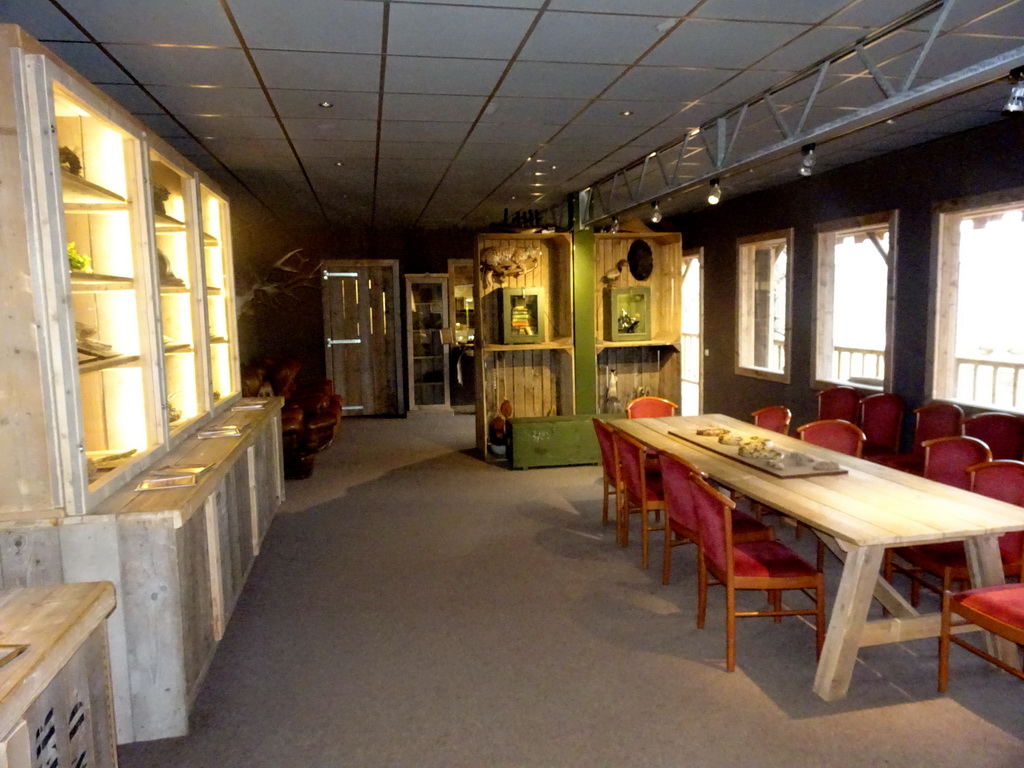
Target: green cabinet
x=553, y=441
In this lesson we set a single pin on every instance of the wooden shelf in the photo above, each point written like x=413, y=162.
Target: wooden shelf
x=173, y=288
x=121, y=361
x=209, y=240
x=94, y=282
x=218, y=340
x=212, y=290
x=167, y=224
x=558, y=344
x=173, y=349
x=674, y=343
x=83, y=196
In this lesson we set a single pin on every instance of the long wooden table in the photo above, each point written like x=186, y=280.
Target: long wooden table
x=858, y=515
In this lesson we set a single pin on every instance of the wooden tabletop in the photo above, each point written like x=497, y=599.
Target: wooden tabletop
x=53, y=622
x=870, y=505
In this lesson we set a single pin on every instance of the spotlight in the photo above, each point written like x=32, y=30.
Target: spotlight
x=1015, y=104
x=807, y=163
x=655, y=213
x=715, y=194
x=615, y=225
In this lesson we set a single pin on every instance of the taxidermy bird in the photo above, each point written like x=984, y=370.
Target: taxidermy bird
x=611, y=277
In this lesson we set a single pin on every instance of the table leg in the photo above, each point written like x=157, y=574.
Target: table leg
x=885, y=593
x=849, y=614
x=986, y=567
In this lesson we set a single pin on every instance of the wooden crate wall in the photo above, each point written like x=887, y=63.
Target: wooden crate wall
x=664, y=282
x=654, y=368
x=538, y=382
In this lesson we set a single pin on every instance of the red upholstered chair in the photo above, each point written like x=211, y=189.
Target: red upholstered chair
x=998, y=609
x=947, y=459
x=647, y=407
x=681, y=525
x=932, y=420
x=839, y=403
x=774, y=417
x=947, y=562
x=760, y=565
x=606, y=442
x=640, y=492
x=881, y=419
x=835, y=434
x=1003, y=433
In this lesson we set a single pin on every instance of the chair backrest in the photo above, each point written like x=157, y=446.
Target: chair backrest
x=835, y=434
x=606, y=442
x=881, y=419
x=675, y=482
x=629, y=456
x=946, y=459
x=839, y=403
x=647, y=407
x=774, y=417
x=1003, y=433
x=936, y=420
x=714, y=521
x=1003, y=480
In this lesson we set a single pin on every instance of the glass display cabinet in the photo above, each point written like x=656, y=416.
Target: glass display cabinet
x=522, y=315
x=220, y=300
x=174, y=213
x=109, y=278
x=629, y=313
x=426, y=298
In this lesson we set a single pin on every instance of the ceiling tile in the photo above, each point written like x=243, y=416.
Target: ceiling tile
x=496, y=133
x=442, y=30
x=413, y=149
x=488, y=3
x=90, y=62
x=1007, y=20
x=229, y=126
x=319, y=71
x=178, y=65
x=331, y=130
x=410, y=74
x=644, y=113
x=132, y=98
x=411, y=130
x=320, y=25
x=662, y=8
x=703, y=43
x=348, y=105
x=186, y=99
x=518, y=111
x=339, y=150
x=590, y=38
x=163, y=126
x=816, y=44
x=667, y=83
x=530, y=78
x=191, y=22
x=42, y=20
x=417, y=106
x=807, y=11
x=741, y=88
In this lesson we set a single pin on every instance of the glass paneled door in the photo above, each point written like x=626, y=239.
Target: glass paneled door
x=426, y=313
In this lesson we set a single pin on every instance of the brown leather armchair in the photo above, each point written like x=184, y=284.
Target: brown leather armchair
x=311, y=415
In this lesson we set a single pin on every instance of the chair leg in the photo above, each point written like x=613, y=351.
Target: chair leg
x=702, y=587
x=730, y=628
x=777, y=603
x=944, y=645
x=644, y=536
x=604, y=506
x=666, y=563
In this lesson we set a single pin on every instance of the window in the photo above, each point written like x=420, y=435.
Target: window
x=692, y=361
x=855, y=277
x=762, y=306
x=979, y=336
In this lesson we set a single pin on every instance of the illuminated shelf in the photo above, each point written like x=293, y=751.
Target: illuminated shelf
x=121, y=361
x=167, y=224
x=165, y=288
x=209, y=240
x=172, y=349
x=212, y=290
x=218, y=340
x=83, y=196
x=93, y=282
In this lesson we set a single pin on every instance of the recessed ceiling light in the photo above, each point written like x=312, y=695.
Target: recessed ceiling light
x=890, y=121
x=553, y=167
x=338, y=163
x=626, y=112
x=538, y=173
x=326, y=104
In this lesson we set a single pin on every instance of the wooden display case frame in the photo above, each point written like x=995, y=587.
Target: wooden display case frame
x=537, y=378
x=632, y=366
x=411, y=332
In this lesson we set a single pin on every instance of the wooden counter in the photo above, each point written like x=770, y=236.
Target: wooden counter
x=55, y=697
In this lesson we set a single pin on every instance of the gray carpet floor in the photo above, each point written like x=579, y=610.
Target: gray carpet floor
x=415, y=606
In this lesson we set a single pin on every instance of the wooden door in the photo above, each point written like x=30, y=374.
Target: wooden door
x=362, y=335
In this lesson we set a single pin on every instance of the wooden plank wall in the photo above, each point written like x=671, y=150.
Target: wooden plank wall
x=652, y=370
x=533, y=380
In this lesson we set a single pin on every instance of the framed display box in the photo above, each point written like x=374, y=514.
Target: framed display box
x=522, y=315
x=628, y=315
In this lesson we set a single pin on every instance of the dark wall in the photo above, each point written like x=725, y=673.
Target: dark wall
x=911, y=181
x=292, y=325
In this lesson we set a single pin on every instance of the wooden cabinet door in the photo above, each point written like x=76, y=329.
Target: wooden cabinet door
x=362, y=335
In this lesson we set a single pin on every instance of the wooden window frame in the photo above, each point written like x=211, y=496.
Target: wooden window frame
x=744, y=299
